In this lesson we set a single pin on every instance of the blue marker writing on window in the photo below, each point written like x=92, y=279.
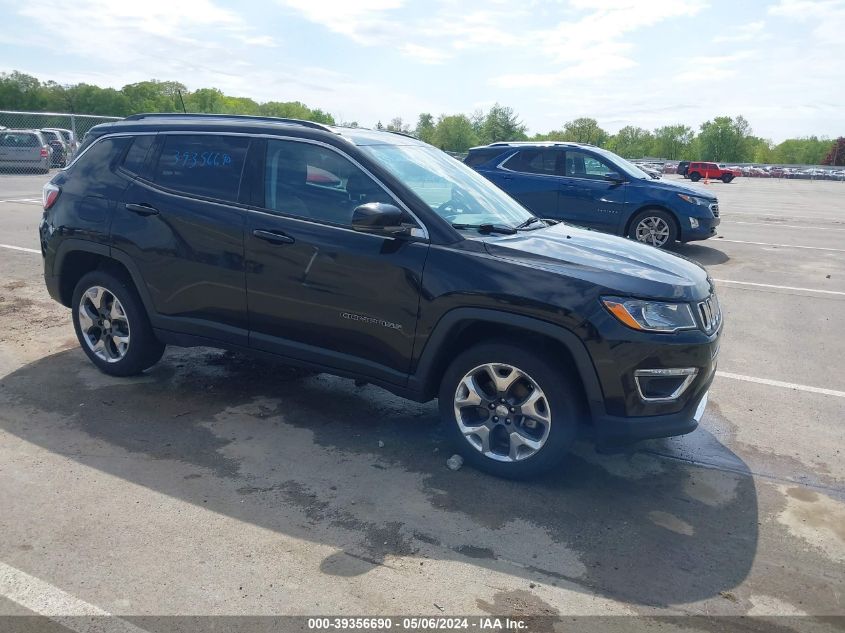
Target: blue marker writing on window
x=190, y=160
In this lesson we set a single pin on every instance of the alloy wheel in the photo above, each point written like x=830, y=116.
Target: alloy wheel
x=104, y=324
x=652, y=230
x=502, y=412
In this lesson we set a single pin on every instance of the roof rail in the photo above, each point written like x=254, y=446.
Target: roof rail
x=247, y=117
x=408, y=134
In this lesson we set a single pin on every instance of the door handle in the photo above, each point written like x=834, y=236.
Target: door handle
x=273, y=237
x=141, y=209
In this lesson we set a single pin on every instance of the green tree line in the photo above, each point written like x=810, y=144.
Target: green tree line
x=19, y=91
x=723, y=139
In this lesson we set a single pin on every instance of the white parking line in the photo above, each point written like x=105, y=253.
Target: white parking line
x=765, y=214
x=779, y=383
x=43, y=598
x=38, y=200
x=751, y=283
x=21, y=248
x=812, y=248
x=785, y=226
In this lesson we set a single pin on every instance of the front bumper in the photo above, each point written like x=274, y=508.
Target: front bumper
x=614, y=431
x=706, y=228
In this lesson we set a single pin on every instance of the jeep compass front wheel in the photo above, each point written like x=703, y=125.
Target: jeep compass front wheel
x=508, y=411
x=112, y=326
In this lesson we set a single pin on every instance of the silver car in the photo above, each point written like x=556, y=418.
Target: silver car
x=69, y=138
x=24, y=150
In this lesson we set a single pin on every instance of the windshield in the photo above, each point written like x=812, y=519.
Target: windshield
x=630, y=169
x=453, y=191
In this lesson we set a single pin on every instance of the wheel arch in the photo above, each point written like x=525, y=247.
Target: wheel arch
x=461, y=328
x=75, y=258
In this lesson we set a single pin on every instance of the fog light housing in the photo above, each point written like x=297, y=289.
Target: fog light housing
x=663, y=385
x=693, y=222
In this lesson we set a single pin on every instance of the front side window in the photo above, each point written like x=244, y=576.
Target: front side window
x=315, y=182
x=546, y=162
x=202, y=164
x=454, y=191
x=582, y=165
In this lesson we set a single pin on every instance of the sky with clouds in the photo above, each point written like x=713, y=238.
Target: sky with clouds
x=780, y=63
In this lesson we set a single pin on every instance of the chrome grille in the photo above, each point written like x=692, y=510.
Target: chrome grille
x=710, y=313
x=715, y=209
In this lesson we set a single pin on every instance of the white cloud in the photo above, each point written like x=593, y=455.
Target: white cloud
x=592, y=43
x=424, y=54
x=753, y=31
x=186, y=37
x=710, y=68
x=364, y=21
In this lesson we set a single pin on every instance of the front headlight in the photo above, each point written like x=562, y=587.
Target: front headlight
x=651, y=316
x=694, y=200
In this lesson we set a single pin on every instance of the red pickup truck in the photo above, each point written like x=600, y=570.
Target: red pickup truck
x=697, y=171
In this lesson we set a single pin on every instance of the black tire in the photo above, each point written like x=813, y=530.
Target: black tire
x=143, y=349
x=668, y=218
x=560, y=391
x=695, y=176
x=726, y=178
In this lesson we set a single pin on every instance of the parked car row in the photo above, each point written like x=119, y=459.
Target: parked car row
x=36, y=150
x=761, y=171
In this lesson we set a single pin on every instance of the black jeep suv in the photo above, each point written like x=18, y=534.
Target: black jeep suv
x=375, y=256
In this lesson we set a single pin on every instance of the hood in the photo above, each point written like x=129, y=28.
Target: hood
x=616, y=264
x=678, y=187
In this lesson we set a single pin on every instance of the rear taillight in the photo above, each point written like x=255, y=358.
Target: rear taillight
x=44, y=152
x=50, y=194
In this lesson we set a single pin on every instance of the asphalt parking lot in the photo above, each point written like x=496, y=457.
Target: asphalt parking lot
x=216, y=484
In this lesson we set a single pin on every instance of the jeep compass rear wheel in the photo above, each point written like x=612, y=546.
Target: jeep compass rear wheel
x=112, y=326
x=508, y=411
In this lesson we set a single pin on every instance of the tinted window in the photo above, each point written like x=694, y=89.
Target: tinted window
x=19, y=140
x=315, y=182
x=582, y=165
x=206, y=165
x=137, y=154
x=50, y=136
x=481, y=156
x=101, y=155
x=536, y=161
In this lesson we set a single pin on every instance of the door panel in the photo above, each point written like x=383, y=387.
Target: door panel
x=190, y=250
x=334, y=290
x=587, y=199
x=191, y=257
x=318, y=290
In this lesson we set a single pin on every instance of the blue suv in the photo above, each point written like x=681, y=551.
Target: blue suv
x=589, y=186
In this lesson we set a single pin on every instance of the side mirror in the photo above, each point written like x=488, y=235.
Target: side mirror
x=614, y=176
x=380, y=218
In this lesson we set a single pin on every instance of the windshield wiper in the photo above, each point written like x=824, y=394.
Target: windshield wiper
x=529, y=222
x=487, y=228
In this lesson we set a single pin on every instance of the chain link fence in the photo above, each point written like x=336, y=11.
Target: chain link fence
x=36, y=142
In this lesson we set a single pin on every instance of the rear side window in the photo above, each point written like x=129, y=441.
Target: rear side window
x=202, y=164
x=480, y=156
x=536, y=161
x=135, y=158
x=20, y=139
